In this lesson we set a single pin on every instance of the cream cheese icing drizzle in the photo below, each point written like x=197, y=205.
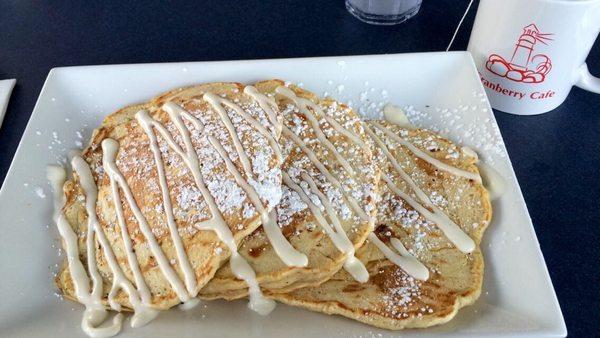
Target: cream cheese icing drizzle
x=338, y=236
x=239, y=265
x=426, y=157
x=303, y=104
x=491, y=178
x=94, y=313
x=217, y=102
x=395, y=115
x=317, y=163
x=454, y=233
x=355, y=267
x=289, y=255
x=404, y=260
x=182, y=258
x=492, y=181
x=143, y=313
x=139, y=295
x=267, y=104
x=110, y=148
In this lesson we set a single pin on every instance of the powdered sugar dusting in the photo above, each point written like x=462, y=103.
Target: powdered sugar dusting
x=469, y=121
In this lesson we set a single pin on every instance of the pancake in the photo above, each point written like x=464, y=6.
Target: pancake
x=328, y=204
x=162, y=197
x=429, y=186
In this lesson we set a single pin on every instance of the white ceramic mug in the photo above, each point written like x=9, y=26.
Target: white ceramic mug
x=530, y=53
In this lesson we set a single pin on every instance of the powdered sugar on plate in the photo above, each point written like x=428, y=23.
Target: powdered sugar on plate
x=468, y=122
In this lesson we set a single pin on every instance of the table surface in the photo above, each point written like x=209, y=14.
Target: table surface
x=556, y=156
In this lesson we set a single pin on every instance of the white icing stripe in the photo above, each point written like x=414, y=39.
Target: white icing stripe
x=422, y=196
x=397, y=244
x=259, y=127
x=288, y=254
x=120, y=281
x=188, y=272
x=91, y=254
x=94, y=313
x=355, y=267
x=239, y=265
x=284, y=249
x=426, y=157
x=351, y=264
x=317, y=163
x=349, y=134
x=142, y=287
x=91, y=195
x=267, y=104
x=492, y=181
x=303, y=105
x=216, y=102
x=339, y=237
x=406, y=262
x=454, y=233
x=110, y=148
x=57, y=177
x=337, y=240
x=395, y=115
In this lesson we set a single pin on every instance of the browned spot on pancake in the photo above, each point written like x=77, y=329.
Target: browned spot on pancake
x=383, y=232
x=257, y=251
x=353, y=288
x=288, y=231
x=150, y=264
x=429, y=169
x=382, y=279
x=204, y=269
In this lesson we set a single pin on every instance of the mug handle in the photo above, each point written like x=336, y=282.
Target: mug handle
x=587, y=81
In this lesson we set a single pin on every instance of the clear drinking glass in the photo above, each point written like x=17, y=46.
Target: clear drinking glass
x=383, y=12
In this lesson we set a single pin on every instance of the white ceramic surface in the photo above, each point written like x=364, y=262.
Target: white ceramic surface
x=517, y=298
x=531, y=53
x=6, y=87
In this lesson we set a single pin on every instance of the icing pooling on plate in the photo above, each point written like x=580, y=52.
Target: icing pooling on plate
x=94, y=313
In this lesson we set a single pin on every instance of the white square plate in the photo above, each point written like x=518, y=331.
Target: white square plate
x=444, y=89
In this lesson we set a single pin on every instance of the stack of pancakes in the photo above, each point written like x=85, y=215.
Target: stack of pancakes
x=374, y=221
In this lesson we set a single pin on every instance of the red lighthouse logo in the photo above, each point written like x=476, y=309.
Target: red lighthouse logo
x=524, y=65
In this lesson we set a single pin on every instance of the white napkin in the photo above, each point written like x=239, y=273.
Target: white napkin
x=6, y=87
